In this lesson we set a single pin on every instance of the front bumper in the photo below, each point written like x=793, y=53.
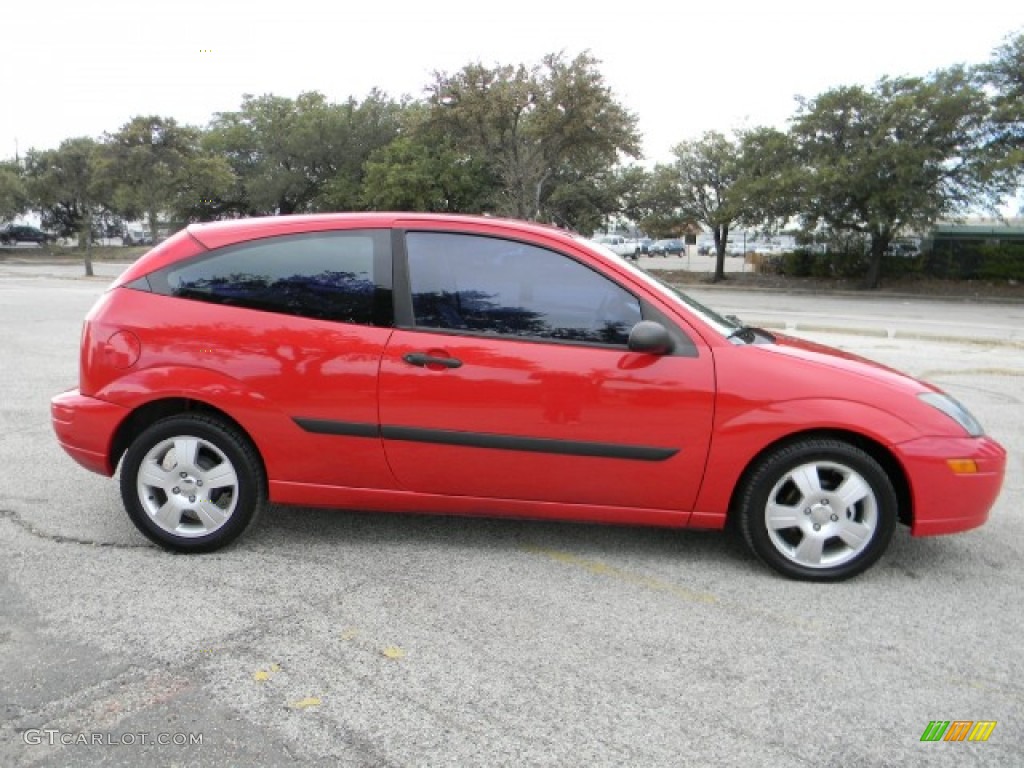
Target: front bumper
x=945, y=501
x=85, y=429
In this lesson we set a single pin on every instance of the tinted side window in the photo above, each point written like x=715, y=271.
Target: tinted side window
x=341, y=276
x=489, y=285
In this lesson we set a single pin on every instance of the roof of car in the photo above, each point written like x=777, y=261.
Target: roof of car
x=197, y=238
x=219, y=233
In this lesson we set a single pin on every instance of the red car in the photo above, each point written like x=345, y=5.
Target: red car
x=476, y=366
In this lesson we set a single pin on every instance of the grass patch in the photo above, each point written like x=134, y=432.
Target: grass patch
x=63, y=254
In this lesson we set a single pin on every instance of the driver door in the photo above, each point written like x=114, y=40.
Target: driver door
x=513, y=380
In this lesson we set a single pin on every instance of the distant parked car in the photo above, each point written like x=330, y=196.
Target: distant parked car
x=669, y=247
x=903, y=250
x=11, y=234
x=643, y=246
x=137, y=237
x=619, y=246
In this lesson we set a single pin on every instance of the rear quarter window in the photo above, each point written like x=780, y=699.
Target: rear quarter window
x=338, y=276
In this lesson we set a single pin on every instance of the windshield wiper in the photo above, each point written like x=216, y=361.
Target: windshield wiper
x=744, y=333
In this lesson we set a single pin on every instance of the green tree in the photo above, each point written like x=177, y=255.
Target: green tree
x=203, y=188
x=13, y=195
x=583, y=200
x=360, y=130
x=769, y=179
x=548, y=133
x=901, y=154
x=67, y=186
x=414, y=173
x=706, y=178
x=721, y=182
x=302, y=154
x=652, y=200
x=1005, y=75
x=150, y=165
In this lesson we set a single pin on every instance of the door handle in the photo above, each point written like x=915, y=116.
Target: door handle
x=424, y=360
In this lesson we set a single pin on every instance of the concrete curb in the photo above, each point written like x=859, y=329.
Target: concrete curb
x=889, y=333
x=796, y=290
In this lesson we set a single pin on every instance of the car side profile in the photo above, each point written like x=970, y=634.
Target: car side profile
x=12, y=234
x=136, y=236
x=670, y=247
x=620, y=246
x=477, y=366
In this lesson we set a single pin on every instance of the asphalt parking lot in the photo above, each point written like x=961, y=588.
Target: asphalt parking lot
x=346, y=638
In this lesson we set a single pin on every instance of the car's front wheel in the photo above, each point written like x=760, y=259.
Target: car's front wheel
x=818, y=510
x=192, y=483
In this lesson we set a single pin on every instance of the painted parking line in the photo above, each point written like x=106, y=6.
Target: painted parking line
x=603, y=569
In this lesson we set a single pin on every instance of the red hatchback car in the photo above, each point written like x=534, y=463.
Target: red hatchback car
x=470, y=365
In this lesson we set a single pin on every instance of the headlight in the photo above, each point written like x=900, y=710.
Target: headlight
x=952, y=408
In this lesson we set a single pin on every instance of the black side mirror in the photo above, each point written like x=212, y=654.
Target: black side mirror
x=650, y=337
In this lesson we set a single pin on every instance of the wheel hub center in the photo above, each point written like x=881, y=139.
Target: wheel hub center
x=821, y=513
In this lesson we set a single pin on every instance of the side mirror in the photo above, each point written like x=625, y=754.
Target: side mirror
x=650, y=337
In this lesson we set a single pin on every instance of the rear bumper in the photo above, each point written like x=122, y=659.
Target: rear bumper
x=85, y=429
x=945, y=501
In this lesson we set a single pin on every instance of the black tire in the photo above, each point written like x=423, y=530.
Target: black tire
x=202, y=500
x=840, y=501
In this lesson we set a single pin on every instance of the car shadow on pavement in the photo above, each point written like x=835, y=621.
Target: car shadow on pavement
x=310, y=529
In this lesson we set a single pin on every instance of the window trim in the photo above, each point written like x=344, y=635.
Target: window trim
x=405, y=318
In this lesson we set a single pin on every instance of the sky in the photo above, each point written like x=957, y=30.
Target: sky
x=86, y=67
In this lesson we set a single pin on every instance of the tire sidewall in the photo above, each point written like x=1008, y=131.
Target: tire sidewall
x=251, y=492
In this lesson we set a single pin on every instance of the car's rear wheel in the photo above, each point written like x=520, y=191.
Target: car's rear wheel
x=192, y=483
x=818, y=510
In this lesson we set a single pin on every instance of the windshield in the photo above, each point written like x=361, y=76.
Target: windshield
x=722, y=325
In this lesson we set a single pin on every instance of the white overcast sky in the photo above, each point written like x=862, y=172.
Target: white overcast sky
x=85, y=67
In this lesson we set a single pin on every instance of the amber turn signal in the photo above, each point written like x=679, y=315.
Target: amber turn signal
x=963, y=466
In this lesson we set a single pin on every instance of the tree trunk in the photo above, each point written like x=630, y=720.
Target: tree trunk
x=721, y=234
x=88, y=246
x=873, y=278
x=538, y=188
x=153, y=220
